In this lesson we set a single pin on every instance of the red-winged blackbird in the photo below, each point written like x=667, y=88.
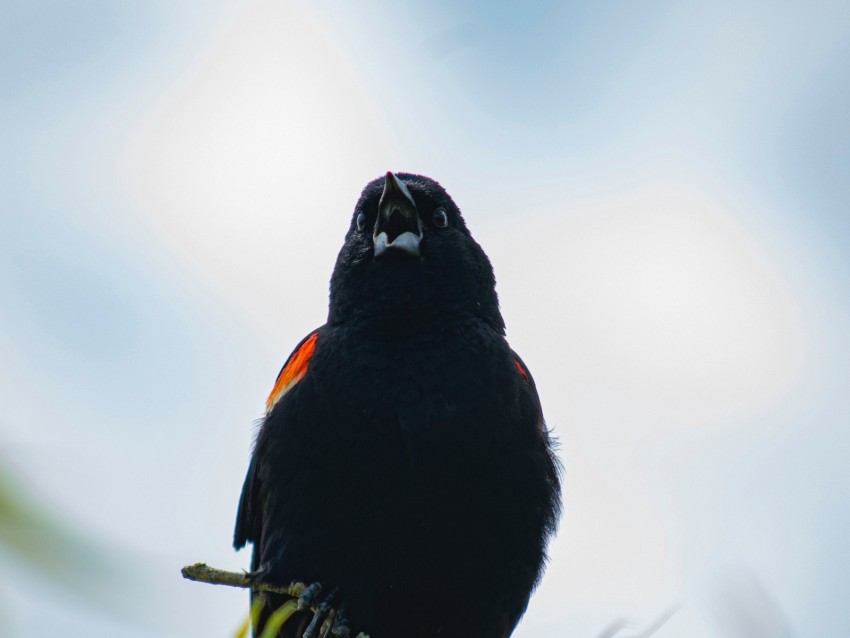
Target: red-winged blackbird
x=403, y=461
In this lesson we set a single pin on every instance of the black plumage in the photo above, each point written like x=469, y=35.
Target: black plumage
x=404, y=459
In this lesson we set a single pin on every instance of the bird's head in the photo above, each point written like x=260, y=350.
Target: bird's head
x=408, y=254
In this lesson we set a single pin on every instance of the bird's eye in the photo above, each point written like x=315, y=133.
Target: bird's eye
x=361, y=221
x=441, y=220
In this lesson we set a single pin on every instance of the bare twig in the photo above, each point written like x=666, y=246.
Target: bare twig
x=326, y=620
x=203, y=573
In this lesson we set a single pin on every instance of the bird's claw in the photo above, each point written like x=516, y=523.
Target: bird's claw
x=323, y=611
x=328, y=621
x=308, y=597
x=341, y=628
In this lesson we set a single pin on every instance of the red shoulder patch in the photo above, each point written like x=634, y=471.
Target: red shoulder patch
x=293, y=371
x=522, y=371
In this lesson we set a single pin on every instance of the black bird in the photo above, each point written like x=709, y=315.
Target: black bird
x=403, y=461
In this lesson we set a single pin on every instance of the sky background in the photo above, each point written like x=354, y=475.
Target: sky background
x=663, y=189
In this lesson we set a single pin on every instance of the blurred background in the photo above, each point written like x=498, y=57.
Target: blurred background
x=663, y=188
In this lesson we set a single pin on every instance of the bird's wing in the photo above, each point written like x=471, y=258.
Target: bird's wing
x=522, y=370
x=249, y=515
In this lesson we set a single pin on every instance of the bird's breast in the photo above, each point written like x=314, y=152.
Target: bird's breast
x=435, y=398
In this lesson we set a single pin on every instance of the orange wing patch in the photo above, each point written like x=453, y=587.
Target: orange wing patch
x=521, y=370
x=293, y=371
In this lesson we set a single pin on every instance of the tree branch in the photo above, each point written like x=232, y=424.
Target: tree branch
x=203, y=573
x=326, y=620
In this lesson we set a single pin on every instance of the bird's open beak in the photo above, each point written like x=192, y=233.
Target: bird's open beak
x=397, y=228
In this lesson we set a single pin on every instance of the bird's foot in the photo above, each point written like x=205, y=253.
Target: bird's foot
x=322, y=613
x=309, y=596
x=329, y=621
x=341, y=628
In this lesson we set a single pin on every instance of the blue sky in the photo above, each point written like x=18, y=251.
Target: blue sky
x=663, y=191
